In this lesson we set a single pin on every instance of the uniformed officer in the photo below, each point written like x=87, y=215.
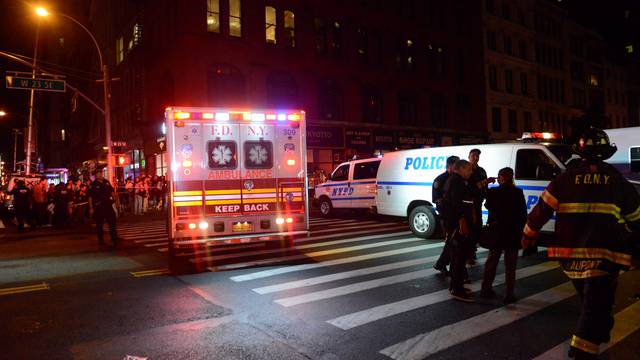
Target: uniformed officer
x=597, y=210
x=21, y=202
x=102, y=196
x=437, y=194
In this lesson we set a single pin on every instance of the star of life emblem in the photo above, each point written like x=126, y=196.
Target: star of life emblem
x=248, y=185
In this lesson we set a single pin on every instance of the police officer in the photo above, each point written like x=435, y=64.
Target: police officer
x=478, y=182
x=597, y=210
x=21, y=202
x=102, y=196
x=437, y=194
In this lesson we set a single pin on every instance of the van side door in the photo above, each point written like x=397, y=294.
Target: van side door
x=339, y=189
x=364, y=184
x=534, y=169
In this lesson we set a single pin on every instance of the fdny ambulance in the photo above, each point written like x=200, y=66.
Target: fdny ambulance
x=236, y=174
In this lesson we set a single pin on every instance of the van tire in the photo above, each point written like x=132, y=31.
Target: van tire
x=422, y=221
x=326, y=209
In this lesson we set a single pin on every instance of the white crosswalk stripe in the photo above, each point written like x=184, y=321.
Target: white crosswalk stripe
x=367, y=316
x=423, y=345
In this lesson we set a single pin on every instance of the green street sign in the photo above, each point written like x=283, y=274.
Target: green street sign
x=15, y=82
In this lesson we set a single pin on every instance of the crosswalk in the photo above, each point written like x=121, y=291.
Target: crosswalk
x=372, y=279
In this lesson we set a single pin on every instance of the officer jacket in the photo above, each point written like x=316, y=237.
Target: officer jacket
x=101, y=193
x=596, y=211
x=21, y=197
x=457, y=202
x=437, y=191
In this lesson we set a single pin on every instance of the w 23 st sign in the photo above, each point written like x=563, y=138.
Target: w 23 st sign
x=15, y=82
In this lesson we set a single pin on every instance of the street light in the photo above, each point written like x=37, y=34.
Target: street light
x=105, y=82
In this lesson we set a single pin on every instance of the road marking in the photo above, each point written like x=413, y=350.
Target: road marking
x=369, y=224
x=337, y=222
x=165, y=239
x=289, y=269
x=309, y=254
x=158, y=244
x=350, y=321
x=626, y=323
x=145, y=235
x=24, y=289
x=153, y=272
x=352, y=233
x=357, y=287
x=426, y=344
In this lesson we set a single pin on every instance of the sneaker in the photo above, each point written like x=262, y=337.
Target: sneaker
x=443, y=269
x=462, y=296
x=487, y=293
x=510, y=299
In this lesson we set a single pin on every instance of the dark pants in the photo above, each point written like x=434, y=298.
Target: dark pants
x=510, y=261
x=102, y=214
x=460, y=249
x=596, y=313
x=21, y=215
x=445, y=256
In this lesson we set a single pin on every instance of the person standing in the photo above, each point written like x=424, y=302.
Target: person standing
x=437, y=194
x=507, y=216
x=478, y=183
x=102, y=196
x=459, y=220
x=597, y=212
x=139, y=190
x=40, y=202
x=21, y=202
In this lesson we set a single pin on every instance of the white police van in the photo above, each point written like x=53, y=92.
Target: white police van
x=405, y=178
x=352, y=185
x=627, y=158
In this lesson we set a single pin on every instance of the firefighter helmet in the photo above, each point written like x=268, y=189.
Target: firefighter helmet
x=594, y=144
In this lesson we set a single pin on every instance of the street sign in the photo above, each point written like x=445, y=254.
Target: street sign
x=25, y=83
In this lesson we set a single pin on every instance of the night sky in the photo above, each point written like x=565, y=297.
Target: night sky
x=17, y=35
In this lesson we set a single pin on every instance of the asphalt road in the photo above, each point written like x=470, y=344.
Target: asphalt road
x=357, y=287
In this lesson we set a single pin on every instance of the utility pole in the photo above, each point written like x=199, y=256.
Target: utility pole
x=16, y=132
x=31, y=100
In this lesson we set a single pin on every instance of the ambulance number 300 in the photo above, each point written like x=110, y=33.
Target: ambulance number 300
x=289, y=132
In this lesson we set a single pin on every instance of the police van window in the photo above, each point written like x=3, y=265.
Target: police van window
x=222, y=154
x=534, y=164
x=634, y=153
x=341, y=173
x=258, y=154
x=366, y=170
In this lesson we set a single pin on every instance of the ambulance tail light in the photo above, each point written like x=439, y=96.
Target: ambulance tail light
x=208, y=116
x=289, y=220
x=293, y=117
x=182, y=115
x=178, y=123
x=203, y=225
x=192, y=226
x=291, y=162
x=280, y=221
x=187, y=163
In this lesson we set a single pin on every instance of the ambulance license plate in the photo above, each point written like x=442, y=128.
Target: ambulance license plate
x=242, y=226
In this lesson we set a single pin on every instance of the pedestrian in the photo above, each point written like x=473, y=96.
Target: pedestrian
x=61, y=199
x=129, y=194
x=478, y=182
x=102, y=196
x=507, y=216
x=147, y=193
x=459, y=220
x=597, y=211
x=40, y=202
x=21, y=202
x=436, y=197
x=140, y=194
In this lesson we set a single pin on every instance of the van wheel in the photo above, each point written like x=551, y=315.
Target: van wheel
x=326, y=209
x=422, y=222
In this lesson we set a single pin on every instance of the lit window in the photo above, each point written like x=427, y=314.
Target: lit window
x=235, y=25
x=63, y=135
x=137, y=34
x=629, y=49
x=119, y=50
x=270, y=24
x=290, y=28
x=61, y=42
x=593, y=80
x=213, y=16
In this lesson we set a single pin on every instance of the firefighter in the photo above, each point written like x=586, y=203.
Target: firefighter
x=597, y=212
x=102, y=196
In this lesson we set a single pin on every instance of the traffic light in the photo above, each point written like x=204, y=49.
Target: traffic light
x=121, y=159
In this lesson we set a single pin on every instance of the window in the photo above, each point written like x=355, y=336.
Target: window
x=213, y=16
x=577, y=71
x=634, y=153
x=508, y=46
x=63, y=134
x=463, y=102
x=336, y=38
x=270, y=24
x=527, y=121
x=535, y=164
x=579, y=98
x=225, y=85
x=235, y=25
x=119, y=50
x=408, y=55
x=506, y=11
x=330, y=100
x=258, y=154
x=407, y=109
x=489, y=6
x=362, y=50
x=493, y=78
x=524, y=84
x=320, y=34
x=436, y=61
x=508, y=81
x=136, y=36
x=341, y=173
x=496, y=119
x=222, y=154
x=491, y=40
x=371, y=103
x=513, y=121
x=366, y=170
x=522, y=50
x=289, y=28
x=438, y=110
x=282, y=90
x=594, y=80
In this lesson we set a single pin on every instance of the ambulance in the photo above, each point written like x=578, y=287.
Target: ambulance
x=236, y=175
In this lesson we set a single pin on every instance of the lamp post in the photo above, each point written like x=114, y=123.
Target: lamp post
x=105, y=83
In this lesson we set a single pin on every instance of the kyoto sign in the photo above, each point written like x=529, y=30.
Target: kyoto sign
x=25, y=83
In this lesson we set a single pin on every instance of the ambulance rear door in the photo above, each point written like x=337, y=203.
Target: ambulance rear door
x=258, y=188
x=188, y=172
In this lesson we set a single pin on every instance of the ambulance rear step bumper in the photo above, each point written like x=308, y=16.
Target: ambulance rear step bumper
x=235, y=239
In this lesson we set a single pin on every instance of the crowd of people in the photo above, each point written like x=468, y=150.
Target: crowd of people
x=45, y=204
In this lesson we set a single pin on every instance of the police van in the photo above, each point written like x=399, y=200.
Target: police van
x=627, y=158
x=352, y=185
x=236, y=175
x=405, y=178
